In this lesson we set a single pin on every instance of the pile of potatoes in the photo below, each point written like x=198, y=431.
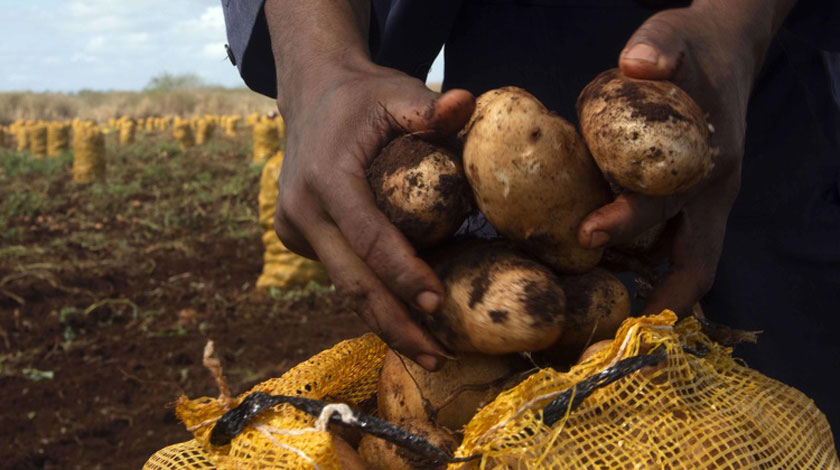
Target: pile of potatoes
x=535, y=289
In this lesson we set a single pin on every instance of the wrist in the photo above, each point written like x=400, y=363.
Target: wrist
x=299, y=87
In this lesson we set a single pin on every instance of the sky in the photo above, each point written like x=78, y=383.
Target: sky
x=69, y=45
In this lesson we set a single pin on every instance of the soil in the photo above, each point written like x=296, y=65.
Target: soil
x=96, y=345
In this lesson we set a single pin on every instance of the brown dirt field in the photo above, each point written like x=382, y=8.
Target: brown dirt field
x=103, y=317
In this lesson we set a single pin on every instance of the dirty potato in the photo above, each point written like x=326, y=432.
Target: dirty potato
x=647, y=136
x=449, y=396
x=497, y=300
x=596, y=305
x=533, y=177
x=421, y=188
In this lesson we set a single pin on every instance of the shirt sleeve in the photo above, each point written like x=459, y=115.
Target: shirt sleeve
x=250, y=44
x=817, y=22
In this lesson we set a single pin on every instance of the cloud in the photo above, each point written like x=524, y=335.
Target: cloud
x=111, y=44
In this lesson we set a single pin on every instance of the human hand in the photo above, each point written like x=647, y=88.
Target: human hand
x=326, y=210
x=713, y=53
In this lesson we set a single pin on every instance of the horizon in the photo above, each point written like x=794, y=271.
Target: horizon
x=111, y=46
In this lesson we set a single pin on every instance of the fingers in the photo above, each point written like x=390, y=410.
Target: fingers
x=380, y=245
x=625, y=218
x=654, y=52
x=291, y=237
x=696, y=249
x=431, y=115
x=380, y=310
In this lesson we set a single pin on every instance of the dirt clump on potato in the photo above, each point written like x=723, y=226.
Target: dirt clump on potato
x=648, y=136
x=497, y=300
x=533, y=177
x=422, y=189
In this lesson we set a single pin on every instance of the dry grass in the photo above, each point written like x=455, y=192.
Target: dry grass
x=100, y=106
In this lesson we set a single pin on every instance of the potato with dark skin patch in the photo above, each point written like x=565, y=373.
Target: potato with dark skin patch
x=450, y=397
x=497, y=299
x=648, y=136
x=533, y=177
x=380, y=454
x=596, y=305
x=422, y=189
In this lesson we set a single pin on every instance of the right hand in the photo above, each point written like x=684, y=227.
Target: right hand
x=326, y=210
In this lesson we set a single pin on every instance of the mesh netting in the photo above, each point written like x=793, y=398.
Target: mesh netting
x=689, y=412
x=283, y=437
x=697, y=409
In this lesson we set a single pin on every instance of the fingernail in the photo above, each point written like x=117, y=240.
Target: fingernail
x=599, y=239
x=428, y=301
x=428, y=361
x=643, y=52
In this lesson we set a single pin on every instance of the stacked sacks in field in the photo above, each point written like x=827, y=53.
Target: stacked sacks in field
x=183, y=133
x=281, y=267
x=230, y=123
x=127, y=129
x=58, y=138
x=150, y=124
x=266, y=139
x=20, y=129
x=88, y=152
x=204, y=129
x=252, y=119
x=38, y=140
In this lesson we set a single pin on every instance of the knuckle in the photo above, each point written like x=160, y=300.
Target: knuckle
x=288, y=207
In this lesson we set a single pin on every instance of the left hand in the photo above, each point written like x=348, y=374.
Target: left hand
x=714, y=60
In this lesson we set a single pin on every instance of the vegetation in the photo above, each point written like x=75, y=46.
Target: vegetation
x=182, y=95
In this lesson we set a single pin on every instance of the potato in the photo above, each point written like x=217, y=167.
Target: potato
x=648, y=136
x=596, y=305
x=594, y=349
x=532, y=177
x=407, y=391
x=497, y=300
x=347, y=457
x=421, y=188
x=380, y=454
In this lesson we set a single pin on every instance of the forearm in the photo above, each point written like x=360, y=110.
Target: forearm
x=312, y=40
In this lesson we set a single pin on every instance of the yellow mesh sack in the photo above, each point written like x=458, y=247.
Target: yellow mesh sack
x=183, y=134
x=283, y=437
x=128, y=131
x=281, y=267
x=230, y=124
x=266, y=140
x=204, y=130
x=689, y=412
x=697, y=409
x=88, y=153
x=38, y=140
x=58, y=138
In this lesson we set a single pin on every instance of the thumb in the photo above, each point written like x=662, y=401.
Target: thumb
x=654, y=52
x=432, y=115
